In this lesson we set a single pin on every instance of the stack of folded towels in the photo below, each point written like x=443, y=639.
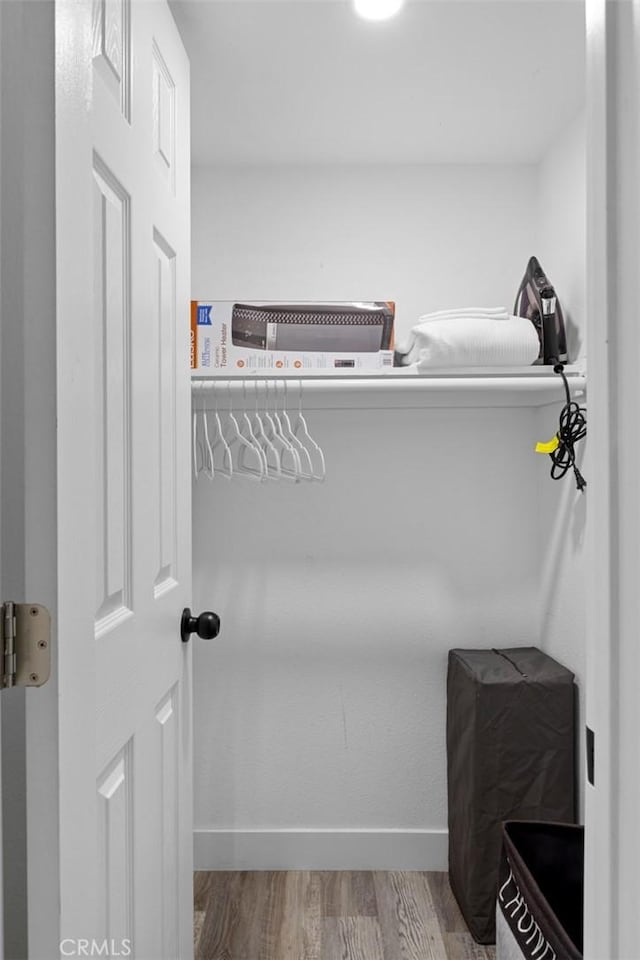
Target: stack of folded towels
x=470, y=337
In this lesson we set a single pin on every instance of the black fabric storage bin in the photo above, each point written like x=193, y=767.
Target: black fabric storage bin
x=539, y=914
x=510, y=756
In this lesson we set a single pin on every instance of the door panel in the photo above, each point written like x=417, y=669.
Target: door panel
x=124, y=513
x=165, y=318
x=164, y=125
x=168, y=826
x=115, y=850
x=112, y=274
x=111, y=48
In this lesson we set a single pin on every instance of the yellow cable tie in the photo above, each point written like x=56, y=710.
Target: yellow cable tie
x=548, y=447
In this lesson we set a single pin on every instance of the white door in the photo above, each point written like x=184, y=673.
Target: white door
x=123, y=509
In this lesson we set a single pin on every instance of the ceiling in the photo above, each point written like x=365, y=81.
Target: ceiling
x=446, y=81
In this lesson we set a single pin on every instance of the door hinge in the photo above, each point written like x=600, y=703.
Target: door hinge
x=26, y=644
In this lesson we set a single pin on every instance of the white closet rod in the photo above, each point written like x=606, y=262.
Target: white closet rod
x=474, y=383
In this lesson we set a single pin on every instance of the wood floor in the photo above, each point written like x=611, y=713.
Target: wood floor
x=318, y=915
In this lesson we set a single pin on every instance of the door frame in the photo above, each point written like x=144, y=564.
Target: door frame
x=613, y=555
x=599, y=869
x=28, y=505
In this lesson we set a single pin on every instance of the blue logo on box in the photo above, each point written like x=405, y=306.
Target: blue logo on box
x=204, y=317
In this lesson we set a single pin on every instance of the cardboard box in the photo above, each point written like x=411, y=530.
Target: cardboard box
x=238, y=338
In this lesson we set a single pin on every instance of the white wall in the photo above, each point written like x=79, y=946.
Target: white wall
x=561, y=532
x=562, y=510
x=320, y=711
x=426, y=237
x=561, y=242
x=322, y=705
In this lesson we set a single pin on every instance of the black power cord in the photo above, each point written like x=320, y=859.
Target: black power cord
x=572, y=429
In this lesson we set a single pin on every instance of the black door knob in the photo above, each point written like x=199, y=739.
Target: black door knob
x=207, y=625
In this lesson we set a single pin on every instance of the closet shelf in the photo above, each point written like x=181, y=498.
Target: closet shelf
x=470, y=387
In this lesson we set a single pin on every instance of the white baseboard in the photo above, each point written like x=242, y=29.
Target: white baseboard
x=320, y=849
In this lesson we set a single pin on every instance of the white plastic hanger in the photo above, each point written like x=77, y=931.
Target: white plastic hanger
x=234, y=438
x=300, y=428
x=269, y=449
x=225, y=467
x=208, y=464
x=289, y=460
x=293, y=450
x=195, y=448
x=246, y=430
x=306, y=467
x=202, y=458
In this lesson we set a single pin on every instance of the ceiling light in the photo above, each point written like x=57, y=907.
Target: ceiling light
x=378, y=9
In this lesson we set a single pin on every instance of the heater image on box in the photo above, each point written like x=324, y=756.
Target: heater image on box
x=331, y=328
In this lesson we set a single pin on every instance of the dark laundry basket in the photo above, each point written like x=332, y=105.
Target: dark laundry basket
x=510, y=756
x=539, y=913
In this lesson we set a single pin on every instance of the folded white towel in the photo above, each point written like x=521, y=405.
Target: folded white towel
x=499, y=313
x=473, y=342
x=407, y=345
